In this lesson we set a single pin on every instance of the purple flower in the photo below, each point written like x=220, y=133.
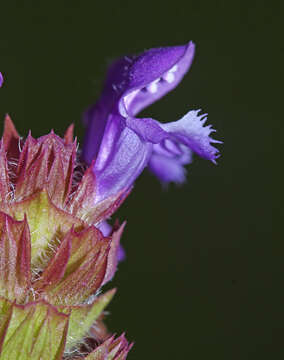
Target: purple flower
x=1, y=79
x=122, y=144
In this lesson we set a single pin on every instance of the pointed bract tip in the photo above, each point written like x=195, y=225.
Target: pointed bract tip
x=9, y=127
x=111, y=349
x=10, y=135
x=68, y=136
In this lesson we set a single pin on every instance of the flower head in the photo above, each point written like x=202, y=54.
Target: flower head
x=122, y=144
x=53, y=259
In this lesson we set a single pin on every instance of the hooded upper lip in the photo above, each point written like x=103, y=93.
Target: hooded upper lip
x=148, y=77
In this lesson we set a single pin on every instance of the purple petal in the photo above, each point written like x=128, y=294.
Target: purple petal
x=95, y=119
x=121, y=255
x=190, y=131
x=147, y=129
x=167, y=165
x=132, y=84
x=1, y=79
x=167, y=169
x=107, y=229
x=129, y=144
x=123, y=145
x=174, y=142
x=121, y=159
x=152, y=75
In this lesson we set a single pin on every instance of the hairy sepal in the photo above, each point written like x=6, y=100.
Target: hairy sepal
x=35, y=331
x=77, y=270
x=15, y=258
x=47, y=162
x=48, y=224
x=83, y=317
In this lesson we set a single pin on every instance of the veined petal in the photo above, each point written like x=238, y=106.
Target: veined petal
x=147, y=129
x=191, y=132
x=169, y=169
x=166, y=148
x=173, y=143
x=95, y=118
x=188, y=131
x=122, y=157
x=185, y=136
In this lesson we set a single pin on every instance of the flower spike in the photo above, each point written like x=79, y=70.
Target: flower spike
x=57, y=247
x=53, y=259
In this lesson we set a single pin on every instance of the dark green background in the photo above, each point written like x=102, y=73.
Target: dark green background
x=204, y=272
